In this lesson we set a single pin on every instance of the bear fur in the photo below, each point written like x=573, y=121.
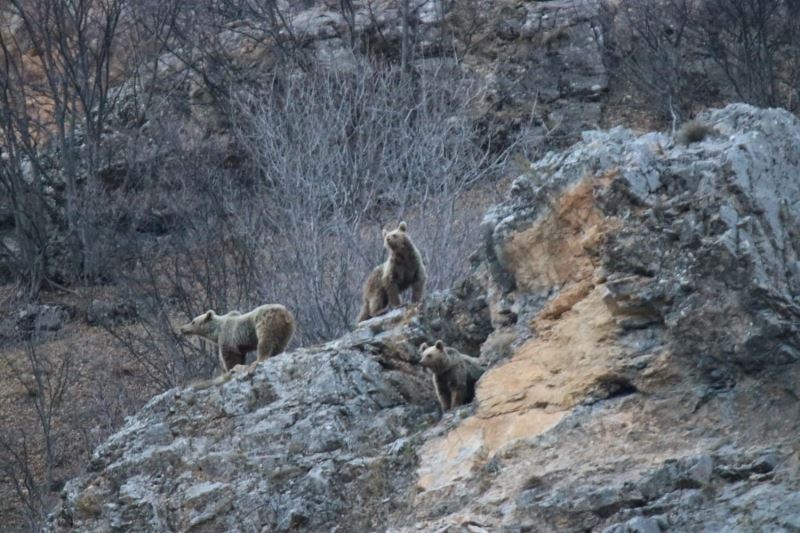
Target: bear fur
x=454, y=374
x=402, y=269
x=267, y=328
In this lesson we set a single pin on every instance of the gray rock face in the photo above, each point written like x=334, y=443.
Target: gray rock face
x=638, y=302
x=709, y=245
x=655, y=285
x=34, y=320
x=302, y=441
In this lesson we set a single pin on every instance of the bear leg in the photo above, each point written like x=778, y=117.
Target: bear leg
x=364, y=313
x=442, y=393
x=393, y=294
x=417, y=290
x=377, y=305
x=456, y=398
x=266, y=348
x=230, y=358
x=282, y=342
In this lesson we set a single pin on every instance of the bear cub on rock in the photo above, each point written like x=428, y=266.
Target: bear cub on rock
x=403, y=269
x=454, y=374
x=268, y=328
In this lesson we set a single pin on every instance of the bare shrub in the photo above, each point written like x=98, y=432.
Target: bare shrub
x=756, y=46
x=58, y=63
x=681, y=55
x=328, y=160
x=60, y=401
x=17, y=463
x=341, y=155
x=28, y=459
x=651, y=46
x=56, y=99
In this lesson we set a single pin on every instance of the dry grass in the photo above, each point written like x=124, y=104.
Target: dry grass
x=692, y=132
x=104, y=387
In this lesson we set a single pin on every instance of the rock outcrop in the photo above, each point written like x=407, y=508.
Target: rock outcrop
x=295, y=444
x=652, y=290
x=638, y=301
x=540, y=64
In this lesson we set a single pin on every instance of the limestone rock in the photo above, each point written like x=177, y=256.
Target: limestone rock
x=653, y=283
x=638, y=303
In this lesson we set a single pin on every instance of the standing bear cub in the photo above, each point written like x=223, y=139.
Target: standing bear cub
x=403, y=269
x=268, y=328
x=454, y=374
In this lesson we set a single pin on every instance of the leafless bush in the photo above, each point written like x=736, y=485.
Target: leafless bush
x=651, y=44
x=687, y=54
x=17, y=462
x=756, y=45
x=58, y=62
x=340, y=155
x=329, y=160
x=60, y=401
x=29, y=459
x=56, y=98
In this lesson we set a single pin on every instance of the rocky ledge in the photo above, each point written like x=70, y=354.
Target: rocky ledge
x=638, y=302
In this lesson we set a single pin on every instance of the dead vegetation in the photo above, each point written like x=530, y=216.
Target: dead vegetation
x=122, y=188
x=675, y=58
x=693, y=131
x=133, y=169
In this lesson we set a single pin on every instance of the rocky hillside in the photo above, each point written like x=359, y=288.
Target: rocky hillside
x=154, y=124
x=638, y=302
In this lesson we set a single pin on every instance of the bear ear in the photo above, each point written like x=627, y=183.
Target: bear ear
x=403, y=226
x=384, y=232
x=423, y=346
x=439, y=345
x=208, y=316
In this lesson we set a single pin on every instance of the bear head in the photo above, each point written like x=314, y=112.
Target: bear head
x=397, y=239
x=201, y=325
x=433, y=357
